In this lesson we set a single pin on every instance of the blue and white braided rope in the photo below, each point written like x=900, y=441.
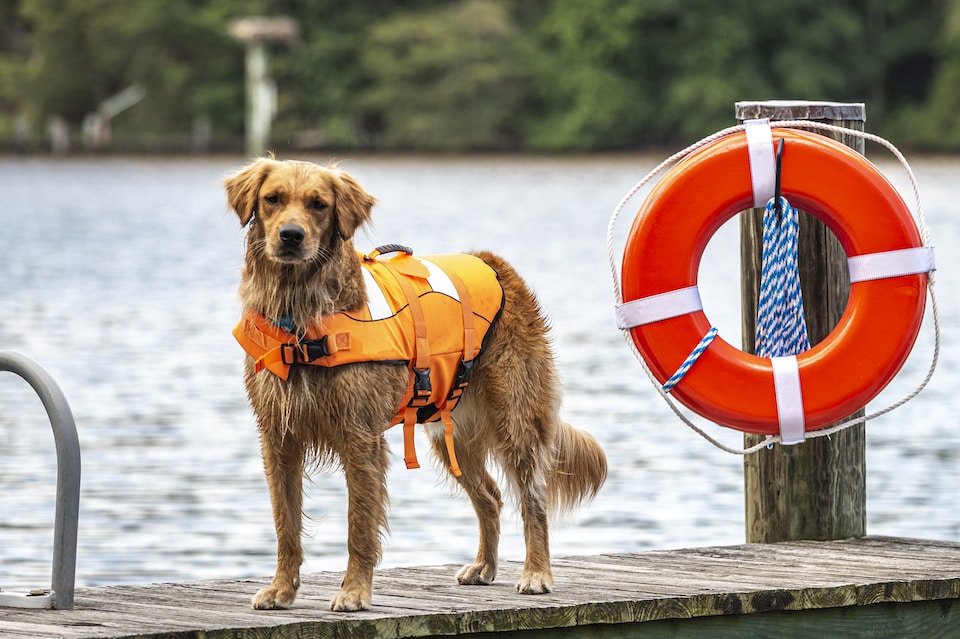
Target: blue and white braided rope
x=691, y=360
x=781, y=328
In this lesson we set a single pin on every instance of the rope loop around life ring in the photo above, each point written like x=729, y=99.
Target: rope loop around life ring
x=889, y=266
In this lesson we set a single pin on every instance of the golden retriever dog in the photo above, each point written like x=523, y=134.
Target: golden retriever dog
x=301, y=263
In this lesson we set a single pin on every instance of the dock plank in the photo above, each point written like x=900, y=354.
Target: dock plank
x=602, y=595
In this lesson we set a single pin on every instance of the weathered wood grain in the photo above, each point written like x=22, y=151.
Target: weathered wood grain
x=853, y=588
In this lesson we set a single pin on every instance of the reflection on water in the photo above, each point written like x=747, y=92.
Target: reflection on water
x=119, y=277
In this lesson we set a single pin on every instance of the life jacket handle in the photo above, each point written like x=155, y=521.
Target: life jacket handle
x=387, y=248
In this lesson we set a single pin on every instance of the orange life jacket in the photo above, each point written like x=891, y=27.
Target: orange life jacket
x=431, y=313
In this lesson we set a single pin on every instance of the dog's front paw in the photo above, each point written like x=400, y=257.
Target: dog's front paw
x=350, y=601
x=480, y=574
x=535, y=582
x=275, y=597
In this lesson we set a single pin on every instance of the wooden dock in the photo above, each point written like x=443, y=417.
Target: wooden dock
x=868, y=587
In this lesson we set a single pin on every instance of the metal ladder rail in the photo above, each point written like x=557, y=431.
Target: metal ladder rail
x=68, y=487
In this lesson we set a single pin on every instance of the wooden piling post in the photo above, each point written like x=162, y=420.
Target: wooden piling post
x=256, y=33
x=815, y=490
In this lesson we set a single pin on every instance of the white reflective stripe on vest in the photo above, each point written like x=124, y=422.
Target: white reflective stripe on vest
x=376, y=301
x=763, y=164
x=876, y=266
x=647, y=310
x=439, y=280
x=786, y=381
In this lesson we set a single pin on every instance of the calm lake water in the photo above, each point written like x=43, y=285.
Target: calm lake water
x=119, y=277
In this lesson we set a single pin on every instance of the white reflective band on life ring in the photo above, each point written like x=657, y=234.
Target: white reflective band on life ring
x=658, y=307
x=786, y=381
x=763, y=164
x=876, y=266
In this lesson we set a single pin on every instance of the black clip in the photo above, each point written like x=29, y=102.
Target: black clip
x=421, y=383
x=776, y=188
x=463, y=374
x=461, y=380
x=304, y=352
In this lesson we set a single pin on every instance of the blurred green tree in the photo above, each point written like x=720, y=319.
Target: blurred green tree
x=615, y=74
x=320, y=78
x=190, y=67
x=482, y=74
x=63, y=78
x=455, y=78
x=77, y=53
x=933, y=121
x=598, y=73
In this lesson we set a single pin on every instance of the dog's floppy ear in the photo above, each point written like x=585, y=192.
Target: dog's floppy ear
x=243, y=189
x=353, y=204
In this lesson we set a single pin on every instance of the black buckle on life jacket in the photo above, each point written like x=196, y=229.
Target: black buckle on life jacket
x=422, y=388
x=304, y=352
x=463, y=374
x=461, y=381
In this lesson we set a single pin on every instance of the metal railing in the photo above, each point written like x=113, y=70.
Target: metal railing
x=65, y=524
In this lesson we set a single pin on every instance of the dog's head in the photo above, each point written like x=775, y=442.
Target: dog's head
x=299, y=211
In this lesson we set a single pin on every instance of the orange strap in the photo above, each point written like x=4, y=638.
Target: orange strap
x=448, y=438
x=470, y=346
x=422, y=347
x=409, y=448
x=470, y=349
x=418, y=390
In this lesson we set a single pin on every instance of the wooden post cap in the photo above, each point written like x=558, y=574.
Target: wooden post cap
x=260, y=29
x=801, y=110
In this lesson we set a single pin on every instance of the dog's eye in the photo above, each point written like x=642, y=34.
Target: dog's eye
x=317, y=204
x=272, y=199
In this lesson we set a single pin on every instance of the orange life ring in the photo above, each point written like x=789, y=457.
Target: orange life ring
x=857, y=359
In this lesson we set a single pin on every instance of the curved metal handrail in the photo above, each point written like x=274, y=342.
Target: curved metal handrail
x=68, y=485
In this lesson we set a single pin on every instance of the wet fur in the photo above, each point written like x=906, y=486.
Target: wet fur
x=509, y=413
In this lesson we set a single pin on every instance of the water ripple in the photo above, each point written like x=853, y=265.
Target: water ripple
x=120, y=279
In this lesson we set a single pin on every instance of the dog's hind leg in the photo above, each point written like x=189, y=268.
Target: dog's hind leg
x=484, y=494
x=485, y=497
x=521, y=427
x=528, y=473
x=283, y=463
x=515, y=395
x=365, y=467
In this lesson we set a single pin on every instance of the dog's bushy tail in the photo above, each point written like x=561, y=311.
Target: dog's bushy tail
x=579, y=471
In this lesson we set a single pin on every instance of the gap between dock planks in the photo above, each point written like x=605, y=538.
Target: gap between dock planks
x=602, y=595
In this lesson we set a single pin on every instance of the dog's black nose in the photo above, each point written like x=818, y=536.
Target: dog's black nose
x=292, y=234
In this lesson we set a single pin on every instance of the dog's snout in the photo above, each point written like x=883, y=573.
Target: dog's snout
x=292, y=234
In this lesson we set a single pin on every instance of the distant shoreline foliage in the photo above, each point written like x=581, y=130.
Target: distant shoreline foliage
x=475, y=75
